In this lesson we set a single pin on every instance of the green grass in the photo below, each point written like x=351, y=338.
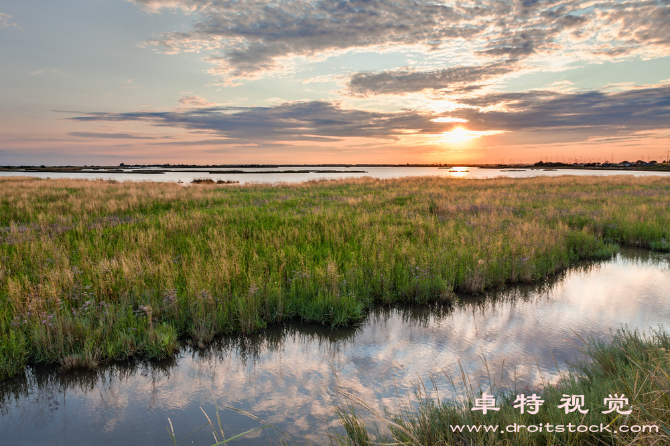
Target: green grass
x=633, y=364
x=100, y=270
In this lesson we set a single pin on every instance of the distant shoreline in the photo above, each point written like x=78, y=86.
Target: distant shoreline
x=312, y=168
x=162, y=171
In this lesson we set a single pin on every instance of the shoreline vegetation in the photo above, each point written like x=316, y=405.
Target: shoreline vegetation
x=211, y=181
x=98, y=270
x=632, y=363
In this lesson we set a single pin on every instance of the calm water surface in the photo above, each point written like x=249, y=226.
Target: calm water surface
x=374, y=172
x=280, y=374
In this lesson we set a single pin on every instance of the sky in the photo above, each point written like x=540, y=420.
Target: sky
x=106, y=82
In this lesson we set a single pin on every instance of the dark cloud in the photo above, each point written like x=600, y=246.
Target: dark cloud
x=317, y=121
x=521, y=43
x=632, y=110
x=409, y=81
x=323, y=122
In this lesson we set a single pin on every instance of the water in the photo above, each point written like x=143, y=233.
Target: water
x=280, y=374
x=374, y=172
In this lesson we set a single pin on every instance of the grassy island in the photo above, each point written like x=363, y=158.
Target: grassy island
x=100, y=270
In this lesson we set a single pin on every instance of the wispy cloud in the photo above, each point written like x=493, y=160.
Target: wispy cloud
x=129, y=84
x=108, y=135
x=46, y=71
x=6, y=21
x=191, y=100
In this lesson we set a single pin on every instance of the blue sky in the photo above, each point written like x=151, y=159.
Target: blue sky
x=213, y=81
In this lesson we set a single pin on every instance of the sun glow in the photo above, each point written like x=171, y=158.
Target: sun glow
x=460, y=134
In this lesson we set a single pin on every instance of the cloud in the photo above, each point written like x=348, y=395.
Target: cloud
x=245, y=39
x=47, y=71
x=157, y=5
x=639, y=23
x=410, y=81
x=588, y=114
x=317, y=121
x=251, y=36
x=129, y=84
x=194, y=101
x=449, y=119
x=596, y=111
x=6, y=21
x=108, y=135
x=521, y=43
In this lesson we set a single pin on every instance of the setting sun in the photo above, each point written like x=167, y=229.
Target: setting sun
x=461, y=134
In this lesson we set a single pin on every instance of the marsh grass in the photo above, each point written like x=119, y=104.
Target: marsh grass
x=634, y=364
x=98, y=270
